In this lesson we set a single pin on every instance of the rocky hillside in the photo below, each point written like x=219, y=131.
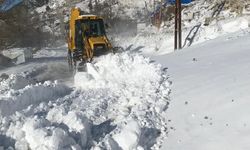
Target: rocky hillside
x=19, y=29
x=39, y=23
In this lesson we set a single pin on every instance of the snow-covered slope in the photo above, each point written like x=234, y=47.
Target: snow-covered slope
x=201, y=21
x=210, y=95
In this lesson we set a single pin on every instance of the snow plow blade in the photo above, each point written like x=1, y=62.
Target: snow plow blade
x=88, y=68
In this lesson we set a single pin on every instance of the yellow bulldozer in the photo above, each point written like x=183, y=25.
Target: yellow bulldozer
x=86, y=38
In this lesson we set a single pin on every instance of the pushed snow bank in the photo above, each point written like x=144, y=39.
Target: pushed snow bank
x=14, y=82
x=132, y=132
x=50, y=132
x=133, y=92
x=117, y=104
x=120, y=72
x=131, y=76
x=16, y=100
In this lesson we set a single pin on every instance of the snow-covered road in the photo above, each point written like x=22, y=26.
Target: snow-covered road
x=210, y=95
x=121, y=97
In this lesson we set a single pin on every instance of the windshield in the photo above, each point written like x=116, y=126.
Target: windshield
x=93, y=27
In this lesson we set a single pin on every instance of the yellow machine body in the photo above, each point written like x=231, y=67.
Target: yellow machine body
x=86, y=37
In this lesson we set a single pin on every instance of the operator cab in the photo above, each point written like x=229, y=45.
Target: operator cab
x=86, y=37
x=92, y=30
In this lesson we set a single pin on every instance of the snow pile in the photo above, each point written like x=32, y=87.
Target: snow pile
x=134, y=92
x=122, y=71
x=14, y=82
x=75, y=121
x=15, y=100
x=47, y=126
x=123, y=97
x=41, y=133
x=130, y=131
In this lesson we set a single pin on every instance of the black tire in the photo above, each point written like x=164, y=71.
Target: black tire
x=70, y=61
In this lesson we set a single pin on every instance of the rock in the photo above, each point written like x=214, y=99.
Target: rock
x=5, y=61
x=18, y=55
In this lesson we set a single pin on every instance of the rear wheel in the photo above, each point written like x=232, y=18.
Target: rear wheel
x=70, y=61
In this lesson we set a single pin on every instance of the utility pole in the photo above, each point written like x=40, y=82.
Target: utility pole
x=178, y=31
x=160, y=15
x=175, y=26
x=154, y=13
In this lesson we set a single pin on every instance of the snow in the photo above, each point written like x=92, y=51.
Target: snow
x=122, y=100
x=133, y=3
x=38, y=138
x=41, y=9
x=56, y=3
x=83, y=6
x=132, y=132
x=126, y=95
x=14, y=100
x=121, y=76
x=211, y=88
x=15, y=82
x=151, y=41
x=123, y=96
x=234, y=25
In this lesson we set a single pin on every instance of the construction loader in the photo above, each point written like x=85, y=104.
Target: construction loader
x=86, y=38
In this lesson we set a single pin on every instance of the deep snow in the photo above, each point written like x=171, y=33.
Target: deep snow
x=210, y=95
x=123, y=97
